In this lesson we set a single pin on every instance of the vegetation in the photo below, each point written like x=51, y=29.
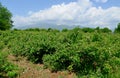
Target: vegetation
x=5, y=18
x=117, y=30
x=87, y=52
x=7, y=69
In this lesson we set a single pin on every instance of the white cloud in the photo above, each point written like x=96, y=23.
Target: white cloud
x=81, y=12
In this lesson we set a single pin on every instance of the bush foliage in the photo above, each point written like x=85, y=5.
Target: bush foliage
x=85, y=52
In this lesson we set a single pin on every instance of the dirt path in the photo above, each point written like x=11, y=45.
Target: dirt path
x=30, y=70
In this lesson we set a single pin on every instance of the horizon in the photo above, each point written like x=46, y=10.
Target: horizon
x=86, y=13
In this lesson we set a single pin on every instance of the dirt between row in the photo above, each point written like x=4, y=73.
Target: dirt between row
x=30, y=70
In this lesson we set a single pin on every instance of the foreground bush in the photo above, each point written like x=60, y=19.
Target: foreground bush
x=6, y=68
x=94, y=54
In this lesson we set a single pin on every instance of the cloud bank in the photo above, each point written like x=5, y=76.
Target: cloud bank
x=81, y=13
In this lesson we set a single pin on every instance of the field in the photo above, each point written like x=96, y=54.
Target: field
x=50, y=53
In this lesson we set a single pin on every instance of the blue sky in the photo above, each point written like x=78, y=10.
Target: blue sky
x=92, y=13
x=22, y=7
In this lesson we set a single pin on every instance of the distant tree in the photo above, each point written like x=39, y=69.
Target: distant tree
x=97, y=28
x=5, y=18
x=52, y=30
x=105, y=30
x=49, y=29
x=87, y=29
x=32, y=29
x=117, y=30
x=64, y=30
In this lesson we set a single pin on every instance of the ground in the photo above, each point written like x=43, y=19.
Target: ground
x=30, y=70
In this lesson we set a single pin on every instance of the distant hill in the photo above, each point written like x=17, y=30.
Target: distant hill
x=50, y=25
x=46, y=26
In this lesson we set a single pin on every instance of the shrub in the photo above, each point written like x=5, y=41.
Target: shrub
x=6, y=68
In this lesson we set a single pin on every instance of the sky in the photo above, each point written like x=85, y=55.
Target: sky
x=86, y=13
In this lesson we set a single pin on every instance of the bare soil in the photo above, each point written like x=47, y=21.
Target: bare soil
x=30, y=70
